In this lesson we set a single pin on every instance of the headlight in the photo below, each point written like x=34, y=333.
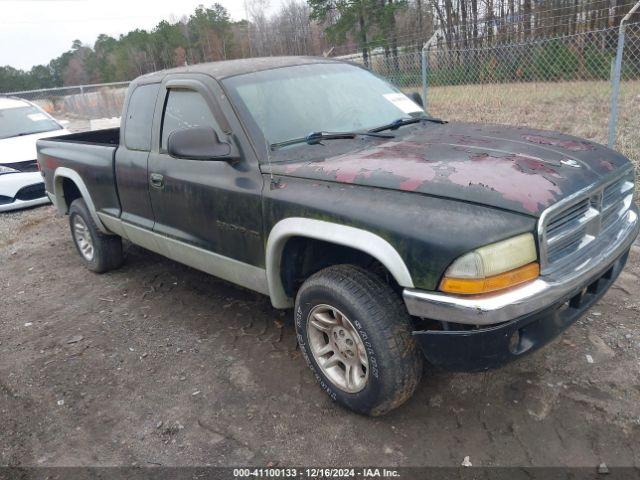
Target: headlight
x=8, y=170
x=494, y=267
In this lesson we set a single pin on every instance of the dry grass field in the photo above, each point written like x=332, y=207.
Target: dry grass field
x=577, y=108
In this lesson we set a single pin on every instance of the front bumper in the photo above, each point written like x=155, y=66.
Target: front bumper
x=19, y=204
x=535, y=312
x=17, y=191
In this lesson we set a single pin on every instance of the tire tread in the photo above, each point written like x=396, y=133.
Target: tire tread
x=107, y=248
x=387, y=314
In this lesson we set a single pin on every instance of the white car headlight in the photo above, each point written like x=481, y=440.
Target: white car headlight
x=4, y=169
x=493, y=267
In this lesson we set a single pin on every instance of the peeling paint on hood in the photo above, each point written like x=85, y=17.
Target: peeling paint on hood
x=518, y=169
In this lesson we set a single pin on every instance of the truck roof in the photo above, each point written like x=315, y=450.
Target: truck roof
x=230, y=68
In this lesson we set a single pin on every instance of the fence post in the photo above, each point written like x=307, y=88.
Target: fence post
x=615, y=88
x=615, y=78
x=425, y=68
x=425, y=80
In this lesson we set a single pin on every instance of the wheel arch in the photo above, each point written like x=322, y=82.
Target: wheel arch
x=64, y=173
x=343, y=235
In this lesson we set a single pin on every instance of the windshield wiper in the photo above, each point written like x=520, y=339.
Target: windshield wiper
x=316, y=137
x=401, y=122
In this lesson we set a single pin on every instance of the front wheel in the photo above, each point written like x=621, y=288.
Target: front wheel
x=355, y=334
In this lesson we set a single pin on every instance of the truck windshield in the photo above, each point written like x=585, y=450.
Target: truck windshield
x=18, y=121
x=291, y=102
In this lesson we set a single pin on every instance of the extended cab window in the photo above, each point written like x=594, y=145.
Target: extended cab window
x=137, y=135
x=185, y=109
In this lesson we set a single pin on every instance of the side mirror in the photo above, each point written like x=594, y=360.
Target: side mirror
x=197, y=143
x=416, y=97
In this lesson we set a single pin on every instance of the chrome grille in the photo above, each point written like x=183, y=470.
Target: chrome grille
x=616, y=200
x=567, y=228
x=569, y=216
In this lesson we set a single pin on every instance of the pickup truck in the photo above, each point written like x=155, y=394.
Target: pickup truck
x=394, y=236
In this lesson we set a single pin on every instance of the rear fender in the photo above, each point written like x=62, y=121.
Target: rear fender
x=61, y=202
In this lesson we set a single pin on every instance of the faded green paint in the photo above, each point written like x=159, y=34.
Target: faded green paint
x=419, y=227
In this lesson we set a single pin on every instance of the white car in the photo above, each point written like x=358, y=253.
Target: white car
x=21, y=124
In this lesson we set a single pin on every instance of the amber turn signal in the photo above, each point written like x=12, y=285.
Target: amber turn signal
x=470, y=286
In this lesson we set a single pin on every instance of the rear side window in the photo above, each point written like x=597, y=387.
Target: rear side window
x=137, y=135
x=185, y=109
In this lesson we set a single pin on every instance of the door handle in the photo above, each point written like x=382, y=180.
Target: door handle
x=156, y=180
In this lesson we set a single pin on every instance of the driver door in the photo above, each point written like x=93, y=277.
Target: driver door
x=213, y=205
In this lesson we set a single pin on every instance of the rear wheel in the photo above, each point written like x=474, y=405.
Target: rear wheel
x=355, y=335
x=100, y=252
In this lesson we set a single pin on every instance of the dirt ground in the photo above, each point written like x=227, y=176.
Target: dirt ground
x=159, y=364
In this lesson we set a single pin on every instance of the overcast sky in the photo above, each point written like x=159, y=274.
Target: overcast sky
x=33, y=32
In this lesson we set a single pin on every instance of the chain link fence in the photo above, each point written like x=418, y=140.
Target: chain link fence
x=403, y=69
x=562, y=83
x=559, y=83
x=628, y=116
x=82, y=107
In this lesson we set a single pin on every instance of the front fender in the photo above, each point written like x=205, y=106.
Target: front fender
x=335, y=233
x=415, y=236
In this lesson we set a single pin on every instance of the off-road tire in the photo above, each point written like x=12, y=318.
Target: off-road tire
x=107, y=249
x=380, y=318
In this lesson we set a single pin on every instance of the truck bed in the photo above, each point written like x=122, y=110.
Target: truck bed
x=108, y=136
x=90, y=155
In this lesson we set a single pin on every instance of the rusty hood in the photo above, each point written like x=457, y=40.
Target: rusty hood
x=514, y=168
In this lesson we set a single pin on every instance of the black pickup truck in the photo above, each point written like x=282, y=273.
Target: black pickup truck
x=390, y=232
